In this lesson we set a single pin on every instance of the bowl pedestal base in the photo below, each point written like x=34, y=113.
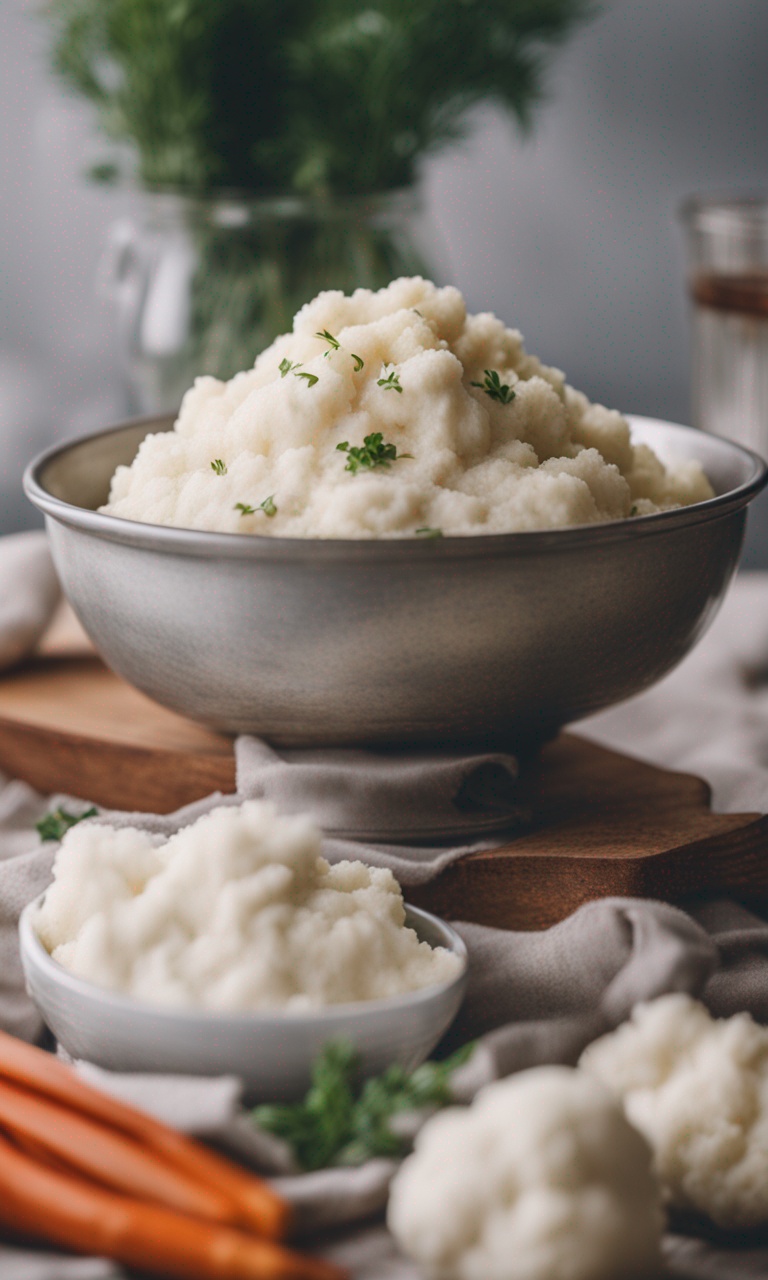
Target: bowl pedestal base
x=601, y=823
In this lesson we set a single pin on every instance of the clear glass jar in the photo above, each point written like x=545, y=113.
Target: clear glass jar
x=728, y=283
x=728, y=254
x=203, y=285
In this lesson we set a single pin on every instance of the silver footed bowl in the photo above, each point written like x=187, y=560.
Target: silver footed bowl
x=477, y=641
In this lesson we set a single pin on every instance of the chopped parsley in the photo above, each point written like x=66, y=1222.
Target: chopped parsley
x=333, y=343
x=219, y=467
x=494, y=387
x=373, y=452
x=359, y=361
x=391, y=382
x=311, y=378
x=426, y=532
x=340, y=1123
x=267, y=506
x=285, y=366
x=56, y=823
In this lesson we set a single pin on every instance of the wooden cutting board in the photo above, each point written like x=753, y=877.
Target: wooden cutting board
x=601, y=823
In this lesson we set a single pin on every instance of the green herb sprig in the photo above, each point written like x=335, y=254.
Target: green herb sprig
x=285, y=366
x=333, y=343
x=427, y=532
x=391, y=382
x=55, y=824
x=311, y=378
x=337, y=1124
x=373, y=452
x=267, y=506
x=219, y=467
x=494, y=387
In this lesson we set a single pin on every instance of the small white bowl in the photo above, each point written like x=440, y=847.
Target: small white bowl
x=272, y=1053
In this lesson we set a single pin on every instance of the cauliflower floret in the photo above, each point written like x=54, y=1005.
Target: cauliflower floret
x=542, y=1178
x=697, y=1087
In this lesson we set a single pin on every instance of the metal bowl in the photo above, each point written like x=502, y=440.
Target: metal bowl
x=272, y=1053
x=456, y=640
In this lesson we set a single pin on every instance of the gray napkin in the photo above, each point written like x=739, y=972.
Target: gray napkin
x=29, y=594
x=385, y=795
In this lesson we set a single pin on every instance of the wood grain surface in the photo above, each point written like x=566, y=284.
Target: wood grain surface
x=601, y=823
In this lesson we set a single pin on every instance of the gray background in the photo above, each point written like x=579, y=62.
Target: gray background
x=570, y=234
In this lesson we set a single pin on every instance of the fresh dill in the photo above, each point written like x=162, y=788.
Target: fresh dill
x=219, y=467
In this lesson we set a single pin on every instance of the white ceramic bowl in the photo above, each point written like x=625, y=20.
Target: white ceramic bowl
x=271, y=1052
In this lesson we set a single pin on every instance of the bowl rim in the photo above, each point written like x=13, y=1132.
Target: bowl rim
x=34, y=955
x=207, y=544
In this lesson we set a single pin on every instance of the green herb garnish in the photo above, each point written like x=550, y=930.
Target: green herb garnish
x=219, y=467
x=359, y=362
x=335, y=1124
x=373, y=452
x=390, y=383
x=426, y=532
x=285, y=366
x=633, y=510
x=311, y=378
x=267, y=506
x=494, y=387
x=56, y=823
x=333, y=343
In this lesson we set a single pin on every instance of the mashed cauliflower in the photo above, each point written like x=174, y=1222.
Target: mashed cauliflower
x=542, y=1178
x=391, y=414
x=697, y=1087
x=236, y=912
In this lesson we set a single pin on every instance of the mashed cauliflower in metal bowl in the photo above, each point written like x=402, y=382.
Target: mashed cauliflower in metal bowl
x=237, y=912
x=389, y=415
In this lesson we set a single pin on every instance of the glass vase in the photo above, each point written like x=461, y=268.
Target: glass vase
x=203, y=285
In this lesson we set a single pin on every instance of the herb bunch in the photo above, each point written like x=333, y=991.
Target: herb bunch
x=335, y=1124
x=275, y=96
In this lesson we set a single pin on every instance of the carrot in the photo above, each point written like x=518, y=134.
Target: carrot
x=105, y=1155
x=257, y=1205
x=66, y=1210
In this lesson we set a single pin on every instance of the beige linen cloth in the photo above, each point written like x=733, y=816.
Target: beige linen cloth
x=532, y=998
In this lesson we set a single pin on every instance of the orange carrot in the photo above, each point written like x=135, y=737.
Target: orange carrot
x=68, y=1211
x=105, y=1155
x=257, y=1205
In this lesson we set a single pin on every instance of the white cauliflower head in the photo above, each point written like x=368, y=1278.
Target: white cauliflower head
x=697, y=1087
x=542, y=1178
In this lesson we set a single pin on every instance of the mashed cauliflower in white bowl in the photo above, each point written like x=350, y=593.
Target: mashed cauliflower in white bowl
x=398, y=527
x=233, y=947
